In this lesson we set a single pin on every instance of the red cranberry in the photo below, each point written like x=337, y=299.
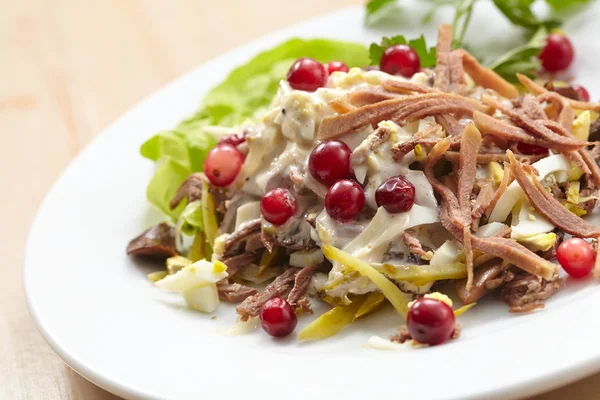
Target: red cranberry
x=400, y=59
x=430, y=321
x=558, y=53
x=531, y=149
x=396, y=195
x=234, y=139
x=277, y=317
x=278, y=206
x=344, y=200
x=336, y=66
x=330, y=161
x=576, y=257
x=223, y=164
x=585, y=95
x=307, y=74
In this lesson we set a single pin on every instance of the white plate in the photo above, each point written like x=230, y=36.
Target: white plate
x=98, y=311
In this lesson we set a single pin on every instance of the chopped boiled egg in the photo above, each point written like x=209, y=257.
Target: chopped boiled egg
x=581, y=126
x=514, y=192
x=197, y=284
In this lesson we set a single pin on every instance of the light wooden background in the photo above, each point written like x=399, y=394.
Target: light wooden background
x=67, y=69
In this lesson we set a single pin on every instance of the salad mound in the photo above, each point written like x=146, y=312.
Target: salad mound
x=363, y=186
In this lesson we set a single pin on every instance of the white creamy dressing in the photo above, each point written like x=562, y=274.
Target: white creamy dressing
x=282, y=143
x=278, y=155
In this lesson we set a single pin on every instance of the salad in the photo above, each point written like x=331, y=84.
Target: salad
x=360, y=186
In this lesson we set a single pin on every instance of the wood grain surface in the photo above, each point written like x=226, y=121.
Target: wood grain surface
x=67, y=69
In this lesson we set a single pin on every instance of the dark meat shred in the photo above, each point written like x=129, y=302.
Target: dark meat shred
x=234, y=292
x=550, y=207
x=254, y=243
x=279, y=287
x=190, y=188
x=268, y=240
x=301, y=284
x=550, y=254
x=157, y=242
x=404, y=335
x=220, y=197
x=567, y=92
x=236, y=262
x=527, y=290
x=236, y=238
x=485, y=279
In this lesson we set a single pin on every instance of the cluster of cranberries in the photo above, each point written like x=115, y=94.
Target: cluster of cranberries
x=329, y=164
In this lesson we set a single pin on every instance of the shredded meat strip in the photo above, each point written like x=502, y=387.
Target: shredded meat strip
x=451, y=218
x=469, y=147
x=423, y=138
x=486, y=158
x=279, y=287
x=236, y=262
x=535, y=127
x=157, y=242
x=341, y=105
x=506, y=180
x=491, y=126
x=487, y=278
x=449, y=73
x=406, y=87
x=242, y=234
x=514, y=253
x=363, y=97
x=585, y=161
x=566, y=114
x=486, y=77
x=532, y=108
x=413, y=244
x=538, y=89
x=190, y=188
x=482, y=202
x=234, y=292
x=527, y=292
x=442, y=67
x=549, y=206
x=445, y=103
x=421, y=105
x=541, y=129
x=592, y=165
x=450, y=124
x=301, y=284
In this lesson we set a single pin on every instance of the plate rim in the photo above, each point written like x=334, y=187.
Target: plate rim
x=556, y=378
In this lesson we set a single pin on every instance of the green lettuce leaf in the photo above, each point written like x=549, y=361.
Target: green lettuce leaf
x=564, y=5
x=244, y=95
x=167, y=145
x=522, y=59
x=191, y=219
x=377, y=9
x=163, y=186
x=519, y=13
x=426, y=55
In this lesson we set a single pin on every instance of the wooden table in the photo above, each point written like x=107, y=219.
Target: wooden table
x=68, y=68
